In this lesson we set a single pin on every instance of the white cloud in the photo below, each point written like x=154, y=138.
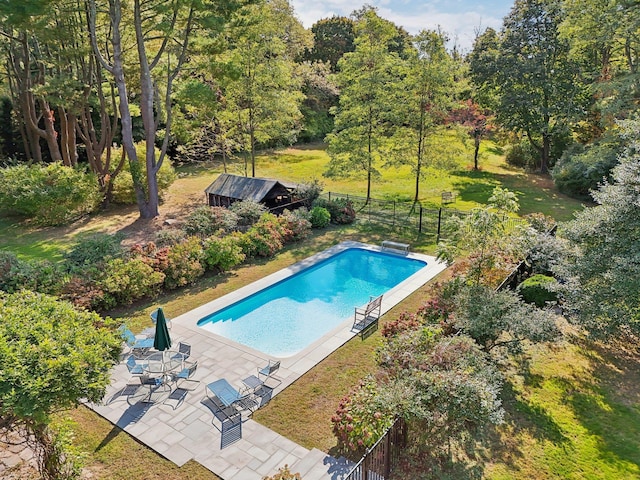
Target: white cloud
x=413, y=16
x=460, y=27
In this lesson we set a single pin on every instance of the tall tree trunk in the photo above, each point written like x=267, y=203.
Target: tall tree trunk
x=476, y=151
x=416, y=197
x=252, y=142
x=546, y=151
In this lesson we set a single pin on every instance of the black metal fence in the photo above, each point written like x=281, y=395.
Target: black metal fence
x=379, y=461
x=407, y=216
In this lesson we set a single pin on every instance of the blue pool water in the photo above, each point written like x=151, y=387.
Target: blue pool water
x=287, y=316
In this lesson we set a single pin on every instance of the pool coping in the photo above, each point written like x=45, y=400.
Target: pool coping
x=341, y=333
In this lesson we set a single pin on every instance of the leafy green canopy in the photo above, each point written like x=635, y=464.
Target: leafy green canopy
x=445, y=386
x=52, y=356
x=366, y=78
x=602, y=267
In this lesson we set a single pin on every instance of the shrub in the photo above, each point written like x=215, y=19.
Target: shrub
x=540, y=222
x=257, y=243
x=359, y=422
x=309, y=192
x=406, y=321
x=170, y=237
x=297, y=224
x=284, y=474
x=320, y=217
x=156, y=258
x=224, y=219
x=205, y=221
x=127, y=280
x=223, y=253
x=521, y=155
x=200, y=222
x=84, y=291
x=94, y=250
x=341, y=209
x=581, y=169
x=39, y=276
x=248, y=211
x=50, y=195
x=123, y=191
x=184, y=263
x=536, y=290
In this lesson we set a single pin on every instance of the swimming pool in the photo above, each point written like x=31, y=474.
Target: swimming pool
x=287, y=316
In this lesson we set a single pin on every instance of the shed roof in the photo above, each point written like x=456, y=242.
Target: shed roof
x=243, y=188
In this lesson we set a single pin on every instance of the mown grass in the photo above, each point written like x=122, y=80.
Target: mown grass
x=576, y=414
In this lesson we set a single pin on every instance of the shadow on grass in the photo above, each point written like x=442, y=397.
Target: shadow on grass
x=607, y=402
x=532, y=418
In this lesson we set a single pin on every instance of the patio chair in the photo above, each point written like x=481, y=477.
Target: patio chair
x=365, y=320
x=137, y=345
x=185, y=375
x=134, y=367
x=154, y=383
x=154, y=318
x=184, y=351
x=269, y=370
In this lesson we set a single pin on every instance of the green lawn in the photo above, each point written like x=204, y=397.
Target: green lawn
x=576, y=415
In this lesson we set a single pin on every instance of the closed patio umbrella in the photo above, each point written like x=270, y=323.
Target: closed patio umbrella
x=161, y=340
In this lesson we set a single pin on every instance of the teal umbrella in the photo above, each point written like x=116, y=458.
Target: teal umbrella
x=161, y=340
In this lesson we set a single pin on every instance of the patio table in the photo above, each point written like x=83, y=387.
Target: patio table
x=164, y=363
x=252, y=383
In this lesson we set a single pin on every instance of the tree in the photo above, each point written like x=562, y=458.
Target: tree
x=332, y=38
x=52, y=357
x=482, y=60
x=536, y=82
x=601, y=267
x=445, y=387
x=362, y=120
x=421, y=104
x=162, y=36
x=30, y=65
x=483, y=235
x=264, y=93
x=321, y=94
x=604, y=39
x=501, y=319
x=475, y=121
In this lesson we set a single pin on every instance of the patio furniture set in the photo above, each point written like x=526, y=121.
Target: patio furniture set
x=169, y=376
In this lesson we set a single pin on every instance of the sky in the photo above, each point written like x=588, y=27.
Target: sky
x=460, y=19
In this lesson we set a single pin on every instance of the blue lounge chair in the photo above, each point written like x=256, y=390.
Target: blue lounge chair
x=223, y=392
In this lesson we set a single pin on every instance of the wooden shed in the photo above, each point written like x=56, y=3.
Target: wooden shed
x=227, y=189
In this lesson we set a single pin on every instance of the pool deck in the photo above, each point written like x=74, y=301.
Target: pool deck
x=192, y=432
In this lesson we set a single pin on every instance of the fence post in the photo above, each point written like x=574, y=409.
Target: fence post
x=365, y=468
x=394, y=214
x=439, y=222
x=329, y=196
x=420, y=221
x=387, y=455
